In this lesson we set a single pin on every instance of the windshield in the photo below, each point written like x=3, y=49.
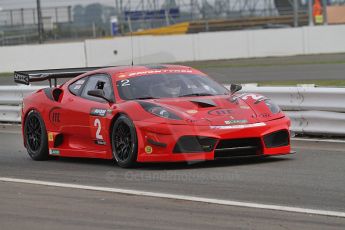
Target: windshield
x=168, y=86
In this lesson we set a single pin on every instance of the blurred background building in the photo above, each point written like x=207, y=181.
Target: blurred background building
x=30, y=21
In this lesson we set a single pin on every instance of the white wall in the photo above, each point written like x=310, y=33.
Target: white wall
x=221, y=45
x=109, y=52
x=47, y=56
x=146, y=49
x=325, y=39
x=176, y=48
x=263, y=43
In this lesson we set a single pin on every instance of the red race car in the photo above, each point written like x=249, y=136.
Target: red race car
x=163, y=113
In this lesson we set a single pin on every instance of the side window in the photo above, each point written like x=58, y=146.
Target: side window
x=77, y=86
x=98, y=81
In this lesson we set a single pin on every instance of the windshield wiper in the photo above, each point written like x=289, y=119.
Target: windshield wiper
x=196, y=95
x=143, y=98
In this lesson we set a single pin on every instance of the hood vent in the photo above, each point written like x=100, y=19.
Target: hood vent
x=204, y=103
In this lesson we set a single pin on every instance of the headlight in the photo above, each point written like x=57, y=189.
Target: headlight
x=274, y=108
x=159, y=111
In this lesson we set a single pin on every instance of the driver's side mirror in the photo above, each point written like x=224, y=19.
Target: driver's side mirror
x=98, y=93
x=235, y=88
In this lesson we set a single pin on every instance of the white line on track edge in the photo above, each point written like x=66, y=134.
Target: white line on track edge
x=179, y=197
x=318, y=140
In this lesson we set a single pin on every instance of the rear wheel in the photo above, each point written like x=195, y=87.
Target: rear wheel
x=124, y=142
x=36, y=136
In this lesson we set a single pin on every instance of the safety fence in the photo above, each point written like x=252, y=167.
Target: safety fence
x=312, y=110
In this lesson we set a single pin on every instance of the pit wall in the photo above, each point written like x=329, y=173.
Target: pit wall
x=175, y=48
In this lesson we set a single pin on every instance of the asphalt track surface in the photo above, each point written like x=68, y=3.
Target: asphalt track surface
x=313, y=178
x=314, y=67
x=305, y=67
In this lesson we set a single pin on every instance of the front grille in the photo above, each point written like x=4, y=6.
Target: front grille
x=194, y=144
x=238, y=147
x=277, y=139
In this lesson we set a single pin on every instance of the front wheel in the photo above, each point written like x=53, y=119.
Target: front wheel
x=124, y=142
x=35, y=134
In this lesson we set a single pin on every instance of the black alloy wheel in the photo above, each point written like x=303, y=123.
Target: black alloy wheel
x=124, y=142
x=35, y=135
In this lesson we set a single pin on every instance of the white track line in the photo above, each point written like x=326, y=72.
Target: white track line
x=318, y=140
x=179, y=197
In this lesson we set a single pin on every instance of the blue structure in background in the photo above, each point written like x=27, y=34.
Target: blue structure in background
x=152, y=14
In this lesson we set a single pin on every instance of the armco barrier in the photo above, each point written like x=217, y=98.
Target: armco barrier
x=9, y=113
x=317, y=122
x=312, y=110
x=11, y=98
x=303, y=97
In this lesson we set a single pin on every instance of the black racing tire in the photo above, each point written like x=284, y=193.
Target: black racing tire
x=35, y=135
x=124, y=142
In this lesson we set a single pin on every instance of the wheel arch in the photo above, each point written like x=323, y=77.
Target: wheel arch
x=115, y=117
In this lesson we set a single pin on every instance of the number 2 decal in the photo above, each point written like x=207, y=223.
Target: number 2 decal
x=125, y=82
x=98, y=124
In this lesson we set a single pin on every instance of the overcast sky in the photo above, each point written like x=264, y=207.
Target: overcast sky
x=15, y=4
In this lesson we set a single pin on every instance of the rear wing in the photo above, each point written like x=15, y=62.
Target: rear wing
x=26, y=77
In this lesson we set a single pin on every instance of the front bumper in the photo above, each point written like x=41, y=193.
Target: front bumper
x=157, y=142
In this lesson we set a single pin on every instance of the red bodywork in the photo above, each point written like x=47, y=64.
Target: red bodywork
x=70, y=117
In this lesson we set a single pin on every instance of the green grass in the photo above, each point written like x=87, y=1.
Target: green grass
x=6, y=74
x=336, y=83
x=224, y=64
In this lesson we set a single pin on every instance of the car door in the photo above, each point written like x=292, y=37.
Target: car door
x=87, y=120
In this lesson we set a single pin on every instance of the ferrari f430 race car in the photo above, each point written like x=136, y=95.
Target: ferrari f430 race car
x=163, y=113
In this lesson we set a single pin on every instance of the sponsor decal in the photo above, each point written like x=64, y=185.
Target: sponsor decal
x=160, y=71
x=98, y=112
x=148, y=149
x=255, y=97
x=50, y=136
x=192, y=111
x=246, y=96
x=238, y=126
x=54, y=152
x=220, y=112
x=244, y=107
x=80, y=82
x=264, y=115
x=21, y=78
x=77, y=87
x=231, y=122
x=100, y=142
x=54, y=115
